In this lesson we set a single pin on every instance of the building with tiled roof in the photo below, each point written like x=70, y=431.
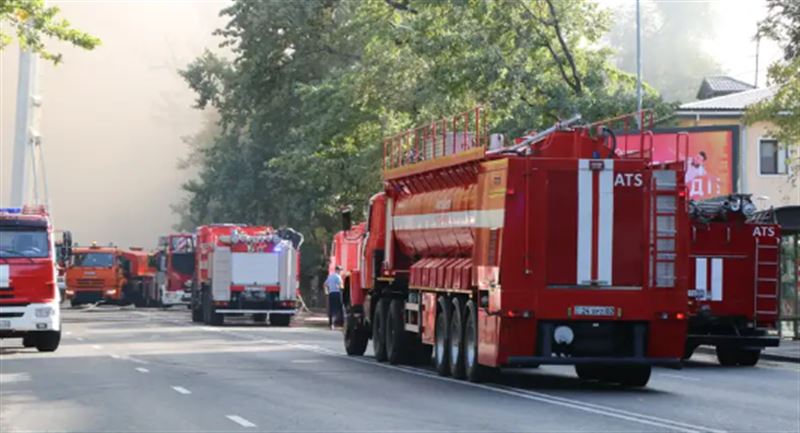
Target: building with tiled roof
x=721, y=85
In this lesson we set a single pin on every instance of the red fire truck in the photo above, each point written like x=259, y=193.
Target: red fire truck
x=555, y=250
x=176, y=264
x=243, y=270
x=734, y=278
x=29, y=296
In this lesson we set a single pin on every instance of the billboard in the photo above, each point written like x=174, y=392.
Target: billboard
x=709, y=160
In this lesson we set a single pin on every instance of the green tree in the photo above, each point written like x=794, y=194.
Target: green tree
x=783, y=108
x=315, y=85
x=32, y=21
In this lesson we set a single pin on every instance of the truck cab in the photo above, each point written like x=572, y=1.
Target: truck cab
x=176, y=264
x=29, y=297
x=94, y=274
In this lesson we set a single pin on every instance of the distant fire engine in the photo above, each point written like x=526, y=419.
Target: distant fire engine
x=29, y=296
x=245, y=270
x=176, y=265
x=555, y=250
x=111, y=275
x=734, y=278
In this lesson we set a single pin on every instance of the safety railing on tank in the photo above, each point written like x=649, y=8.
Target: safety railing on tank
x=632, y=133
x=441, y=138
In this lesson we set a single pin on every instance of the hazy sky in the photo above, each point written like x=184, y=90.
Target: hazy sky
x=113, y=119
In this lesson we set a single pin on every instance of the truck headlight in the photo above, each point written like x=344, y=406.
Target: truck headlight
x=110, y=292
x=44, y=312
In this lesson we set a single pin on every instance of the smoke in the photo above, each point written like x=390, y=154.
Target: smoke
x=684, y=41
x=113, y=120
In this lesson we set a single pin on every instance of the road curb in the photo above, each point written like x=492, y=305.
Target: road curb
x=764, y=355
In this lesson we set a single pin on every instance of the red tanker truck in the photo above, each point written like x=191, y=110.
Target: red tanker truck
x=734, y=275
x=556, y=250
x=245, y=270
x=29, y=295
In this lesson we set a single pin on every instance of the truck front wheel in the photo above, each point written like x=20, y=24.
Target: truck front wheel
x=379, y=330
x=635, y=376
x=48, y=341
x=727, y=356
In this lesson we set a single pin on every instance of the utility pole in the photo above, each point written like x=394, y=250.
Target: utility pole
x=758, y=46
x=22, y=157
x=638, y=66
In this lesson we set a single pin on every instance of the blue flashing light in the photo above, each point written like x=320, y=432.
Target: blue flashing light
x=11, y=210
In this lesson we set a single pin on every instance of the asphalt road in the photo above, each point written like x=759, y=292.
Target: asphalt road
x=154, y=371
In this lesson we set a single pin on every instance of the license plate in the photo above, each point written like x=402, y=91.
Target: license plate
x=5, y=324
x=582, y=310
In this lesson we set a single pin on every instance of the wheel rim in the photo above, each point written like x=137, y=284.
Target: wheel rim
x=440, y=334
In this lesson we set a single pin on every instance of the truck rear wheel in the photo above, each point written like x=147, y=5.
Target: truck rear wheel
x=457, y=340
x=259, y=318
x=379, y=330
x=589, y=371
x=197, y=315
x=396, y=342
x=474, y=371
x=280, y=319
x=748, y=357
x=727, y=356
x=441, y=344
x=210, y=316
x=355, y=336
x=29, y=340
x=633, y=376
x=48, y=341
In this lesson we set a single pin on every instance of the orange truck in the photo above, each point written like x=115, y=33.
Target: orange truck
x=110, y=275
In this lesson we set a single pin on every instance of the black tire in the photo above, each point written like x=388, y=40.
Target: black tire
x=633, y=376
x=210, y=316
x=48, y=341
x=379, y=330
x=589, y=371
x=457, y=340
x=355, y=336
x=260, y=318
x=727, y=356
x=29, y=340
x=73, y=303
x=422, y=353
x=473, y=371
x=748, y=357
x=688, y=351
x=280, y=319
x=441, y=352
x=197, y=314
x=396, y=341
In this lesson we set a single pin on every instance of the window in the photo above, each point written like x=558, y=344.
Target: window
x=23, y=243
x=772, y=156
x=94, y=260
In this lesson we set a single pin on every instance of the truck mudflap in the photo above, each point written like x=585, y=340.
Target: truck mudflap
x=533, y=361
x=740, y=341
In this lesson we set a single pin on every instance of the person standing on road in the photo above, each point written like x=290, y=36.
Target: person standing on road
x=333, y=288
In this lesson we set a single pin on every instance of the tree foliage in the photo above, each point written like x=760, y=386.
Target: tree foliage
x=783, y=109
x=313, y=86
x=32, y=21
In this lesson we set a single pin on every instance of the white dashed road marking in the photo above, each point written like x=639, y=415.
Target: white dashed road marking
x=181, y=390
x=79, y=338
x=241, y=421
x=115, y=356
x=680, y=376
x=142, y=370
x=97, y=346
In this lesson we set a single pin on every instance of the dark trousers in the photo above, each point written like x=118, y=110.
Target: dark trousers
x=335, y=308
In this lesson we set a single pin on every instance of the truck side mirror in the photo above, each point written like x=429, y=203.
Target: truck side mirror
x=66, y=246
x=347, y=218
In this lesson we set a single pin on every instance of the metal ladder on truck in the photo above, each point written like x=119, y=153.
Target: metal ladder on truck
x=766, y=300
x=663, y=230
